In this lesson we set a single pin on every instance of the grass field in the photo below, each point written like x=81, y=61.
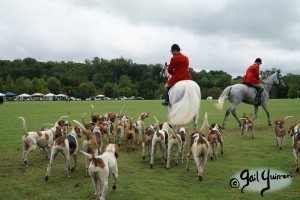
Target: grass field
x=136, y=179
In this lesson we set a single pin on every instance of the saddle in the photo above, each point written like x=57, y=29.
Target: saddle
x=250, y=85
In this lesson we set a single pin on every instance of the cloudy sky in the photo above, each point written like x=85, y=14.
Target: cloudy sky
x=215, y=34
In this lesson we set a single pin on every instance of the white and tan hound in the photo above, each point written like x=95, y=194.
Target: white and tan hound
x=120, y=132
x=130, y=135
x=215, y=139
x=91, y=143
x=67, y=146
x=101, y=167
x=246, y=125
x=160, y=137
x=200, y=148
x=177, y=139
x=280, y=133
x=147, y=139
x=140, y=127
x=42, y=139
x=296, y=143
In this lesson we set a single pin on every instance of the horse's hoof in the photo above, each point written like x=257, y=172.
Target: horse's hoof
x=280, y=148
x=46, y=178
x=25, y=162
x=269, y=124
x=211, y=158
x=132, y=149
x=167, y=167
x=222, y=152
x=176, y=163
x=187, y=169
x=72, y=169
x=114, y=187
x=200, y=178
x=143, y=157
x=151, y=166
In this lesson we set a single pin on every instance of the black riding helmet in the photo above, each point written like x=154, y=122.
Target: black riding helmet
x=258, y=60
x=175, y=47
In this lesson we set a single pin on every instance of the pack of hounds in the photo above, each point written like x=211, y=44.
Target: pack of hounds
x=118, y=129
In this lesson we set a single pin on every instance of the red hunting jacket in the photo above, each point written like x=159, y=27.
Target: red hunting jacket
x=252, y=74
x=179, y=69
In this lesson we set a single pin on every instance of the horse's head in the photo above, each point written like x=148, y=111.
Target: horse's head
x=164, y=72
x=278, y=80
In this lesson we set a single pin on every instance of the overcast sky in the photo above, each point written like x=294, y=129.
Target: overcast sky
x=215, y=34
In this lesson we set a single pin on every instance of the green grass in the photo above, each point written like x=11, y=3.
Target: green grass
x=136, y=179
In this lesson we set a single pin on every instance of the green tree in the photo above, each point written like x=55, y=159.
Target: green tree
x=23, y=85
x=9, y=84
x=108, y=89
x=1, y=85
x=39, y=85
x=294, y=91
x=54, y=85
x=86, y=90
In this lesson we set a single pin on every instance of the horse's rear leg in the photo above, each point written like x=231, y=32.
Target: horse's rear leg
x=235, y=116
x=230, y=110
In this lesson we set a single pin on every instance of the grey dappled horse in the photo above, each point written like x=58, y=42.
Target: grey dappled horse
x=242, y=93
x=184, y=98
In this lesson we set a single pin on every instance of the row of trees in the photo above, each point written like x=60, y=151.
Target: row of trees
x=113, y=78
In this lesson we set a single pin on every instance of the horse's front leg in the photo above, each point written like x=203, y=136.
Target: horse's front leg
x=265, y=107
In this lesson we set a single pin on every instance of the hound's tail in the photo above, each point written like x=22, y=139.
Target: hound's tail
x=43, y=127
x=24, y=126
x=205, y=122
x=86, y=132
x=223, y=97
x=183, y=111
x=89, y=156
x=83, y=120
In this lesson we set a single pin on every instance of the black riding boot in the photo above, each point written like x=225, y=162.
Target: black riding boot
x=258, y=94
x=166, y=96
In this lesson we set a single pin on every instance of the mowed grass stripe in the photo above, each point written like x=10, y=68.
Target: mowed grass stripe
x=137, y=180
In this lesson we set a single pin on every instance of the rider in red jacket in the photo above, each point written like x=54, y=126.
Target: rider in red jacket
x=252, y=77
x=178, y=68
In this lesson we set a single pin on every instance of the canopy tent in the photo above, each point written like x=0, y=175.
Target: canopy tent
x=37, y=95
x=2, y=95
x=24, y=95
x=49, y=95
x=10, y=94
x=100, y=95
x=60, y=95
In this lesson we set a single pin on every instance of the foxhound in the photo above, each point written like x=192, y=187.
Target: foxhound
x=43, y=139
x=101, y=167
x=67, y=146
x=279, y=133
x=200, y=148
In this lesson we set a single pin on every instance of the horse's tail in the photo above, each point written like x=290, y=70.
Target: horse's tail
x=184, y=110
x=223, y=96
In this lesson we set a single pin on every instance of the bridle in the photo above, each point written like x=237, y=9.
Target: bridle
x=276, y=84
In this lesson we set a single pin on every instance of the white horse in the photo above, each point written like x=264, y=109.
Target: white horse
x=242, y=93
x=184, y=101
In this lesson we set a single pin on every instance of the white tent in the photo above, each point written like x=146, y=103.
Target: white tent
x=24, y=95
x=60, y=95
x=100, y=95
x=49, y=95
x=37, y=95
x=2, y=95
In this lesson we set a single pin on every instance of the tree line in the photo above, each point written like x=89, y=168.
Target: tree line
x=114, y=78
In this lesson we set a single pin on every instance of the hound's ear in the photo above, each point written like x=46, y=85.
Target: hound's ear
x=275, y=122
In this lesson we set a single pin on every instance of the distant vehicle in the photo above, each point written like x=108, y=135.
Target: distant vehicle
x=122, y=98
x=209, y=98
